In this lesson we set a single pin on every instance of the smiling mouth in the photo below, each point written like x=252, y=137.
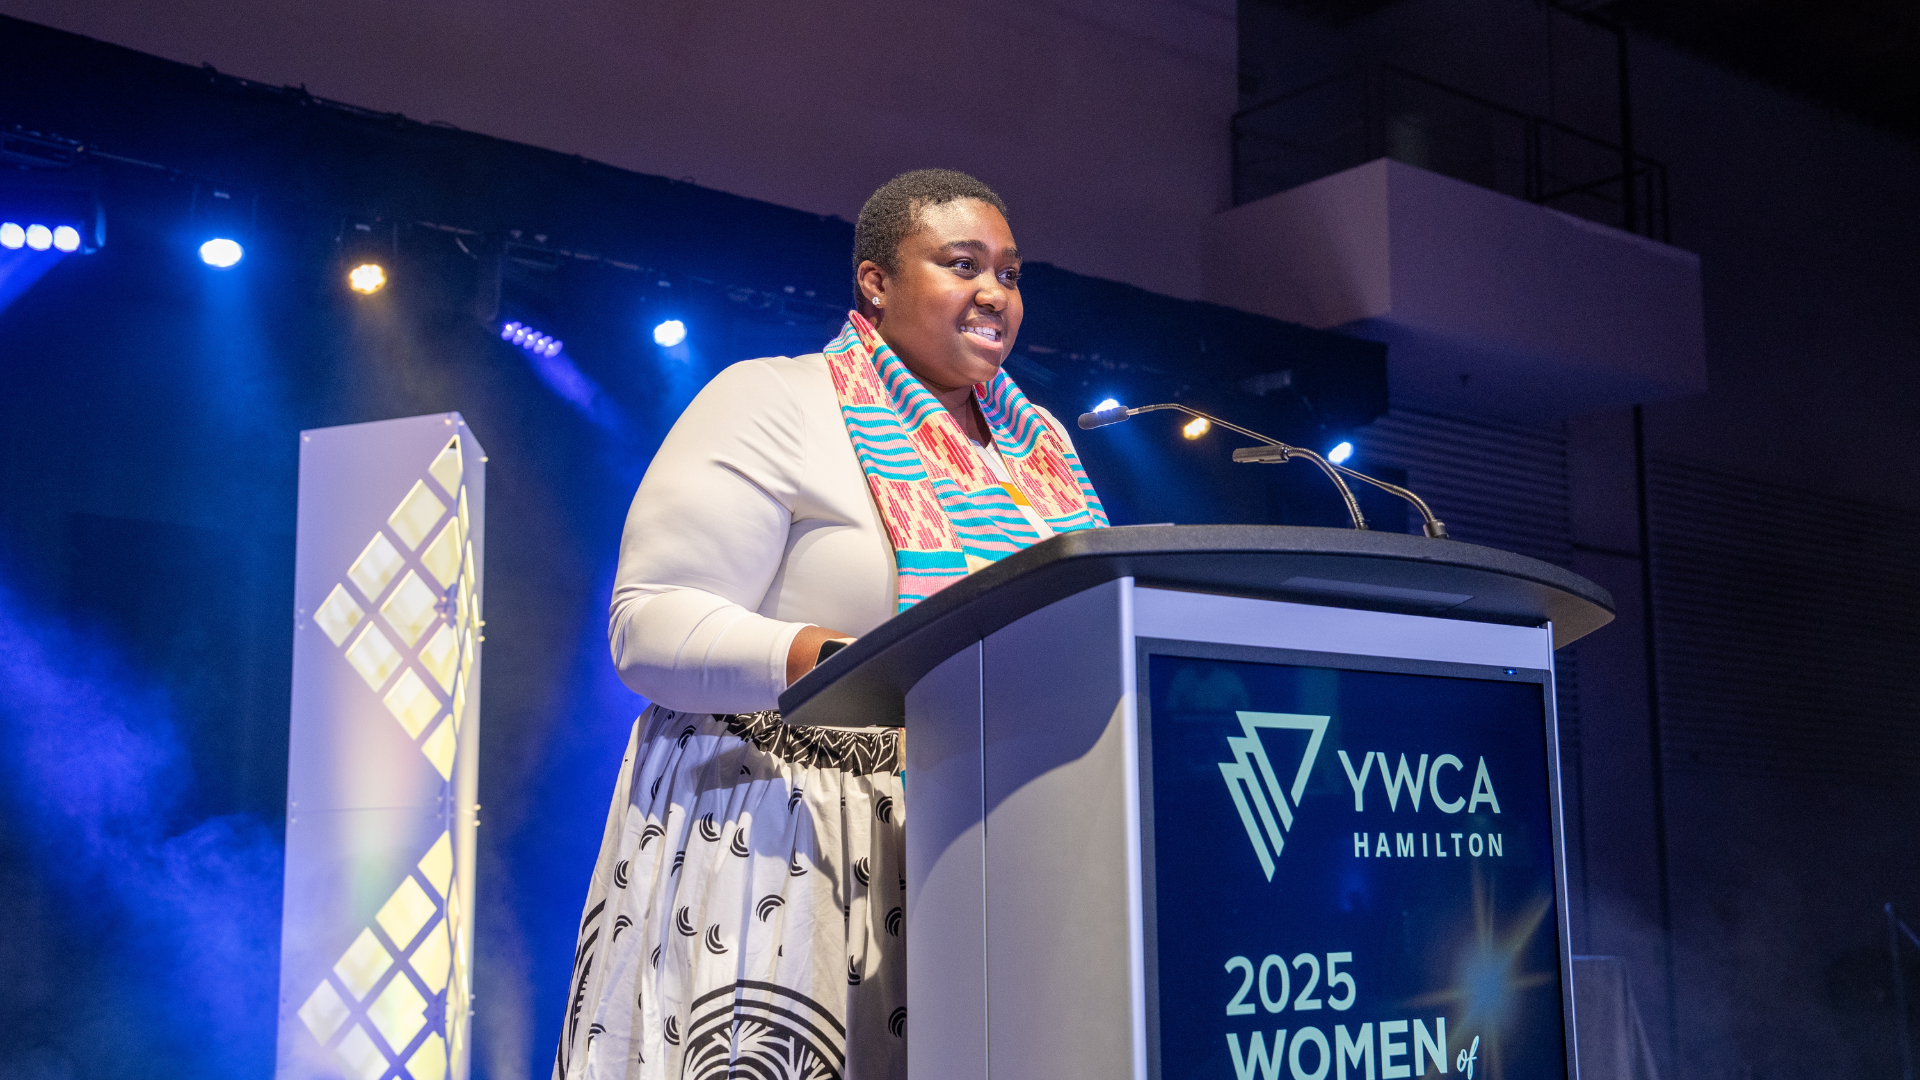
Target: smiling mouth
x=988, y=333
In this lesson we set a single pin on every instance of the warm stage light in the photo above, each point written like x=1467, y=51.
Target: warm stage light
x=367, y=278
x=1339, y=454
x=39, y=237
x=670, y=333
x=1196, y=427
x=12, y=236
x=221, y=253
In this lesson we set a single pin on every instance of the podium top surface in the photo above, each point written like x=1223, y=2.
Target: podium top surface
x=1376, y=571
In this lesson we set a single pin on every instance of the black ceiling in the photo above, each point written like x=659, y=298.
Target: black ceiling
x=1860, y=57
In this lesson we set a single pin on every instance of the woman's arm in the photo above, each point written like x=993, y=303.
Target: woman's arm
x=705, y=536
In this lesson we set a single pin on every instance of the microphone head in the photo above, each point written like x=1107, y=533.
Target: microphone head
x=1112, y=414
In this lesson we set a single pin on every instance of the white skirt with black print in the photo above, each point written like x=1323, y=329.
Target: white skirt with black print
x=746, y=915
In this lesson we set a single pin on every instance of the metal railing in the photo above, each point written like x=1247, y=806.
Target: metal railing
x=1388, y=111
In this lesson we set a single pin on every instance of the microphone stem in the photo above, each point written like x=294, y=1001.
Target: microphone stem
x=1433, y=526
x=1333, y=471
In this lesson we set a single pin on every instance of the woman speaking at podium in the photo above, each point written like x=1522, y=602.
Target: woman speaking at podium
x=747, y=908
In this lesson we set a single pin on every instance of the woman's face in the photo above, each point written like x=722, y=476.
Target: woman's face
x=952, y=307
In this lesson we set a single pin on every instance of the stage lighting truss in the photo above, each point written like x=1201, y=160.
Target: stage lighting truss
x=531, y=340
x=50, y=204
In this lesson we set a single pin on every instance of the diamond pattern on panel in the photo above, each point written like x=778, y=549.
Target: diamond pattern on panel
x=440, y=747
x=324, y=1012
x=363, y=1059
x=399, y=1012
x=374, y=657
x=376, y=566
x=405, y=912
x=412, y=608
x=430, y=1061
x=433, y=959
x=391, y=978
x=442, y=557
x=412, y=703
x=362, y=964
x=416, y=514
x=338, y=615
x=446, y=467
x=440, y=655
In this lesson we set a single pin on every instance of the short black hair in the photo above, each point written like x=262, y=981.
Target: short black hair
x=893, y=212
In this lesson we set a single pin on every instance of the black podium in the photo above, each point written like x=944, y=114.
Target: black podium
x=1230, y=801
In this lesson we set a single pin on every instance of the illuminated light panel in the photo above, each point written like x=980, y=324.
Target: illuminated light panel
x=433, y=960
x=1339, y=454
x=361, y=966
x=441, y=656
x=459, y=702
x=406, y=912
x=412, y=704
x=374, y=657
x=363, y=1059
x=399, y=1012
x=412, y=608
x=367, y=278
x=442, y=557
x=416, y=514
x=439, y=748
x=447, y=467
x=670, y=333
x=324, y=1012
x=376, y=566
x=219, y=252
x=1197, y=427
x=338, y=615
x=430, y=1061
x=437, y=864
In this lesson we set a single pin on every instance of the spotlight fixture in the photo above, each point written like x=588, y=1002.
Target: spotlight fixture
x=1339, y=454
x=1197, y=427
x=670, y=333
x=531, y=340
x=221, y=253
x=367, y=278
x=47, y=201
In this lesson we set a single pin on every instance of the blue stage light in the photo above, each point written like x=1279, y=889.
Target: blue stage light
x=39, y=237
x=66, y=238
x=12, y=236
x=531, y=340
x=221, y=253
x=1339, y=454
x=670, y=333
x=1108, y=403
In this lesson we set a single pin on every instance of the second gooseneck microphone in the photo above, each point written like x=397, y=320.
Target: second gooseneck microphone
x=1276, y=452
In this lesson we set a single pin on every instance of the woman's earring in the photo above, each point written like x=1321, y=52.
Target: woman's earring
x=876, y=301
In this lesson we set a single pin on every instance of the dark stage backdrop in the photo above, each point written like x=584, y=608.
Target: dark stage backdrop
x=148, y=444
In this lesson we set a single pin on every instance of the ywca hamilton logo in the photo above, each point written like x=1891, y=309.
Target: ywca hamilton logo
x=1266, y=809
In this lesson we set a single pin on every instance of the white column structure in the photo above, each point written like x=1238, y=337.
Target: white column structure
x=376, y=941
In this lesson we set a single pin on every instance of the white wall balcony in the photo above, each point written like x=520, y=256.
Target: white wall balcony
x=1489, y=305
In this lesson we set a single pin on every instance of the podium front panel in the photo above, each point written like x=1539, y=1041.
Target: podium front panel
x=1157, y=870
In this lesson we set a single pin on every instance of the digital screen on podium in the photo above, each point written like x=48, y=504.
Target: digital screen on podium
x=1351, y=871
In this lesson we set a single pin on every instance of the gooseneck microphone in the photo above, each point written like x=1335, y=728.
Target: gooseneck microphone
x=1274, y=451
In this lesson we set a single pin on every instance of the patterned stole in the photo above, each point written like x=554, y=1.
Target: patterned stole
x=946, y=512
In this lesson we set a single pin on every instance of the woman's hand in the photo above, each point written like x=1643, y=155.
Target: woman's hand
x=806, y=649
